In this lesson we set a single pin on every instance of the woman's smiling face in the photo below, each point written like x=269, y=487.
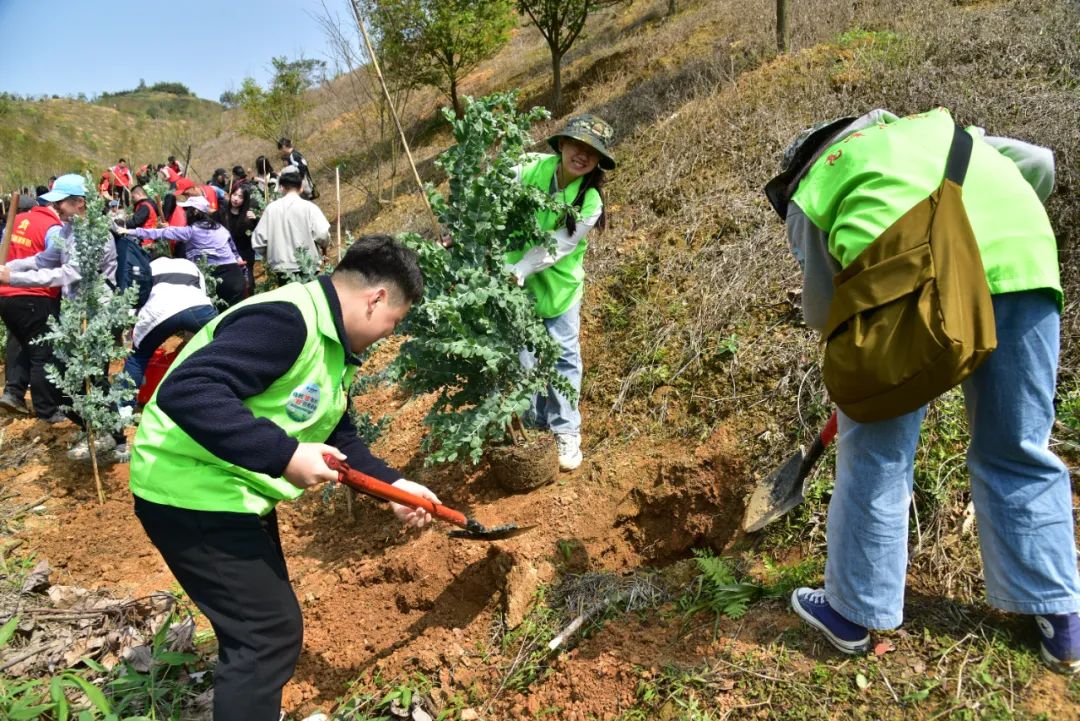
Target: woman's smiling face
x=577, y=158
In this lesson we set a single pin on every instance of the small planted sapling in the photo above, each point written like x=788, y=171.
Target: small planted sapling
x=464, y=340
x=85, y=337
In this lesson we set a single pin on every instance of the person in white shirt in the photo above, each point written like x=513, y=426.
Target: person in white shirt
x=288, y=224
x=178, y=302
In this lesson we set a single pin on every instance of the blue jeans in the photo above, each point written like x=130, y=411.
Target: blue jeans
x=1020, y=489
x=552, y=410
x=191, y=320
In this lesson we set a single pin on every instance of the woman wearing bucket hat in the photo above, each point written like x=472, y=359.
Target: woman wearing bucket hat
x=576, y=175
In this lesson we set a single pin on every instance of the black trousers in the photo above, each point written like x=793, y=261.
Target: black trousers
x=27, y=318
x=16, y=369
x=232, y=567
x=231, y=288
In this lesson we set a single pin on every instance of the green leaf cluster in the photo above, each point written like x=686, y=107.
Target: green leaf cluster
x=465, y=338
x=275, y=111
x=717, y=588
x=438, y=42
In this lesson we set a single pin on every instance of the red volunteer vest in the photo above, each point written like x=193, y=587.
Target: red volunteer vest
x=122, y=176
x=28, y=239
x=178, y=219
x=151, y=220
x=171, y=174
x=211, y=197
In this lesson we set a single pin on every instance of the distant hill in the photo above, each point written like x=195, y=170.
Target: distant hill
x=46, y=137
x=158, y=105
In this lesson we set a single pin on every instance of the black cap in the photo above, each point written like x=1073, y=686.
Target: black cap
x=797, y=158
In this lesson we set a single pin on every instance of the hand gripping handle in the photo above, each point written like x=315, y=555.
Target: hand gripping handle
x=381, y=489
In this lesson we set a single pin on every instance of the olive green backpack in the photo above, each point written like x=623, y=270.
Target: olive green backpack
x=911, y=316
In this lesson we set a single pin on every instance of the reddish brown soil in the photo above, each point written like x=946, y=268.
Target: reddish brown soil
x=377, y=598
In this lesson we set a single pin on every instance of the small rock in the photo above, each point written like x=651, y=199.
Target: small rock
x=470, y=714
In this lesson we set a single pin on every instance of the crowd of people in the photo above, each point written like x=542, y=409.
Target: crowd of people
x=223, y=225
x=257, y=399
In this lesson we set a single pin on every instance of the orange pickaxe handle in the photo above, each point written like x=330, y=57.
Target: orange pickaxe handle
x=381, y=489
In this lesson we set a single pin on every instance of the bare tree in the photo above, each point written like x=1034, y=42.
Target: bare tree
x=560, y=22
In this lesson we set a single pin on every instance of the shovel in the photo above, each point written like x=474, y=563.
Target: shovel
x=783, y=489
x=471, y=528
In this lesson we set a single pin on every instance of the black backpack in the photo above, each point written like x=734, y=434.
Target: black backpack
x=133, y=268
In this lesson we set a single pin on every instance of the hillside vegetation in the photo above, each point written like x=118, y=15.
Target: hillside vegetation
x=42, y=138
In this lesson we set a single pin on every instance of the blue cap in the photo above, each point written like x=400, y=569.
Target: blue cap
x=66, y=186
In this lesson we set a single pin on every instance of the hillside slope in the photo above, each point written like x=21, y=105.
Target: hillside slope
x=42, y=138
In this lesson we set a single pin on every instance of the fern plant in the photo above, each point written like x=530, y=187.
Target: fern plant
x=464, y=339
x=717, y=589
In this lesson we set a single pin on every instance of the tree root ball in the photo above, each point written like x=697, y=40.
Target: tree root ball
x=527, y=466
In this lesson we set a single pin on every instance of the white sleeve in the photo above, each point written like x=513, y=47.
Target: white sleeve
x=538, y=258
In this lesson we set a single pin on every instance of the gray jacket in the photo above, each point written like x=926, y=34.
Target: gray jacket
x=57, y=265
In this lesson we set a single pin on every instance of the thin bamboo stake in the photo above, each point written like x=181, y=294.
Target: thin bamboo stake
x=337, y=185
x=397, y=121
x=91, y=445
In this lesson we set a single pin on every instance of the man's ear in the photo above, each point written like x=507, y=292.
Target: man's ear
x=379, y=295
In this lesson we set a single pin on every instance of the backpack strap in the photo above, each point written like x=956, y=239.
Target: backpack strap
x=956, y=166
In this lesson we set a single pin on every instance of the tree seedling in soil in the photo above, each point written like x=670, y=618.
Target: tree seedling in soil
x=85, y=336
x=466, y=336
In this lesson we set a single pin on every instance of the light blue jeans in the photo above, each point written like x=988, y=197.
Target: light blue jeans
x=1020, y=489
x=552, y=410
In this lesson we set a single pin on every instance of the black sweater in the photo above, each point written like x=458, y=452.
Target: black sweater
x=253, y=347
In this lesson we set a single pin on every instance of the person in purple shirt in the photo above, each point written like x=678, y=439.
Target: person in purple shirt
x=203, y=236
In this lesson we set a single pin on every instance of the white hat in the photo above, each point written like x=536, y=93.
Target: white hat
x=197, y=202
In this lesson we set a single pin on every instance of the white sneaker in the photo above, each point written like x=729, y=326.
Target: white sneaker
x=81, y=450
x=569, y=446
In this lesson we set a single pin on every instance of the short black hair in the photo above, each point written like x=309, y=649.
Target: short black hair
x=41, y=190
x=290, y=180
x=172, y=158
x=380, y=258
x=121, y=160
x=138, y=189
x=283, y=143
x=238, y=171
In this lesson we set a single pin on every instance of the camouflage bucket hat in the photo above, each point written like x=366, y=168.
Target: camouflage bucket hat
x=797, y=158
x=592, y=131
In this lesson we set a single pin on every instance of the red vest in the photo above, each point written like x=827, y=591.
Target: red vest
x=28, y=239
x=171, y=174
x=122, y=176
x=151, y=220
x=178, y=219
x=211, y=197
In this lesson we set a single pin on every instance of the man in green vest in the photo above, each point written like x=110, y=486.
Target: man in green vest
x=844, y=183
x=576, y=175
x=241, y=421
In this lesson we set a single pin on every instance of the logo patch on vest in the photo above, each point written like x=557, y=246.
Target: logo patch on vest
x=303, y=402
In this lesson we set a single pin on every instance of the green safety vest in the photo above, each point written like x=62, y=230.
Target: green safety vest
x=861, y=185
x=170, y=468
x=557, y=288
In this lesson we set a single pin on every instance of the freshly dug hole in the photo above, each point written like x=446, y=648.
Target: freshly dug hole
x=524, y=467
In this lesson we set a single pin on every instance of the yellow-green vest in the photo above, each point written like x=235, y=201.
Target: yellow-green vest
x=559, y=287
x=169, y=467
x=861, y=185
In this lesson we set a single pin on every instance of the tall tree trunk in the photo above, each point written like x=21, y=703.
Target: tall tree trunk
x=781, y=25
x=556, y=82
x=454, y=99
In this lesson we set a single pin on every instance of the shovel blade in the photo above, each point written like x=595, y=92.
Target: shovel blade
x=498, y=533
x=776, y=495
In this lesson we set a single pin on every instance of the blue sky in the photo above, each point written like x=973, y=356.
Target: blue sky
x=65, y=47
